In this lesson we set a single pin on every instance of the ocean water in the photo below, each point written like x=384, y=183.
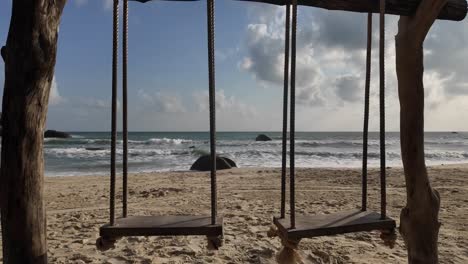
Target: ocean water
x=88, y=153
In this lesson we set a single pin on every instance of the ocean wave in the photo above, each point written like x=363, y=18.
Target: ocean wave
x=310, y=143
x=82, y=152
x=446, y=142
x=175, y=141
x=65, y=141
x=156, y=141
x=319, y=154
x=445, y=155
x=105, y=141
x=74, y=152
x=77, y=152
x=330, y=143
x=51, y=140
x=148, y=152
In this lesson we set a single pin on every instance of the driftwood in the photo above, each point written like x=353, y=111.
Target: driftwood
x=453, y=10
x=419, y=223
x=29, y=56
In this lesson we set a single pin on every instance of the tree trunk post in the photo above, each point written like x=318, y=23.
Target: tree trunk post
x=29, y=55
x=419, y=223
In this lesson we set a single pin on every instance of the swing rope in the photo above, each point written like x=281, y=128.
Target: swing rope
x=212, y=91
x=115, y=46
x=292, y=175
x=285, y=112
x=382, y=111
x=124, y=110
x=366, y=112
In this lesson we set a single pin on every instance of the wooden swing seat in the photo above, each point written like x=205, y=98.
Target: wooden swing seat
x=308, y=226
x=180, y=225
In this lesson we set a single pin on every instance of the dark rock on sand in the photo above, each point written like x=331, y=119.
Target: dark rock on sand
x=263, y=137
x=204, y=163
x=56, y=134
x=230, y=162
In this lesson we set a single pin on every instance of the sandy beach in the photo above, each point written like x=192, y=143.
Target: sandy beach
x=248, y=199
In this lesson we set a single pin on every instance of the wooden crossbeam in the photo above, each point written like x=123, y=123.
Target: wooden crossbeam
x=454, y=9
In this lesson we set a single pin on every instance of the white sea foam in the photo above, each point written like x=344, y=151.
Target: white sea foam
x=175, y=141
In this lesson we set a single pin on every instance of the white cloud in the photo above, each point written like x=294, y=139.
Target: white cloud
x=434, y=88
x=224, y=54
x=83, y=105
x=91, y=102
x=349, y=87
x=246, y=64
x=160, y=102
x=108, y=4
x=80, y=3
x=330, y=68
x=446, y=50
x=224, y=104
x=54, y=96
x=322, y=69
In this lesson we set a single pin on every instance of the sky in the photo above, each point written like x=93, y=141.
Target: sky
x=168, y=70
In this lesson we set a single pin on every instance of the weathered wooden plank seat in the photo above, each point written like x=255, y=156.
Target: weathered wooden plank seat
x=167, y=225
x=333, y=224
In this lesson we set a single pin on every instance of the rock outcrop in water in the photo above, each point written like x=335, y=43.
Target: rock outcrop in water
x=56, y=134
x=204, y=163
x=263, y=137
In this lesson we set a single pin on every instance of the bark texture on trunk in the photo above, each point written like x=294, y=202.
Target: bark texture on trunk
x=29, y=57
x=419, y=219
